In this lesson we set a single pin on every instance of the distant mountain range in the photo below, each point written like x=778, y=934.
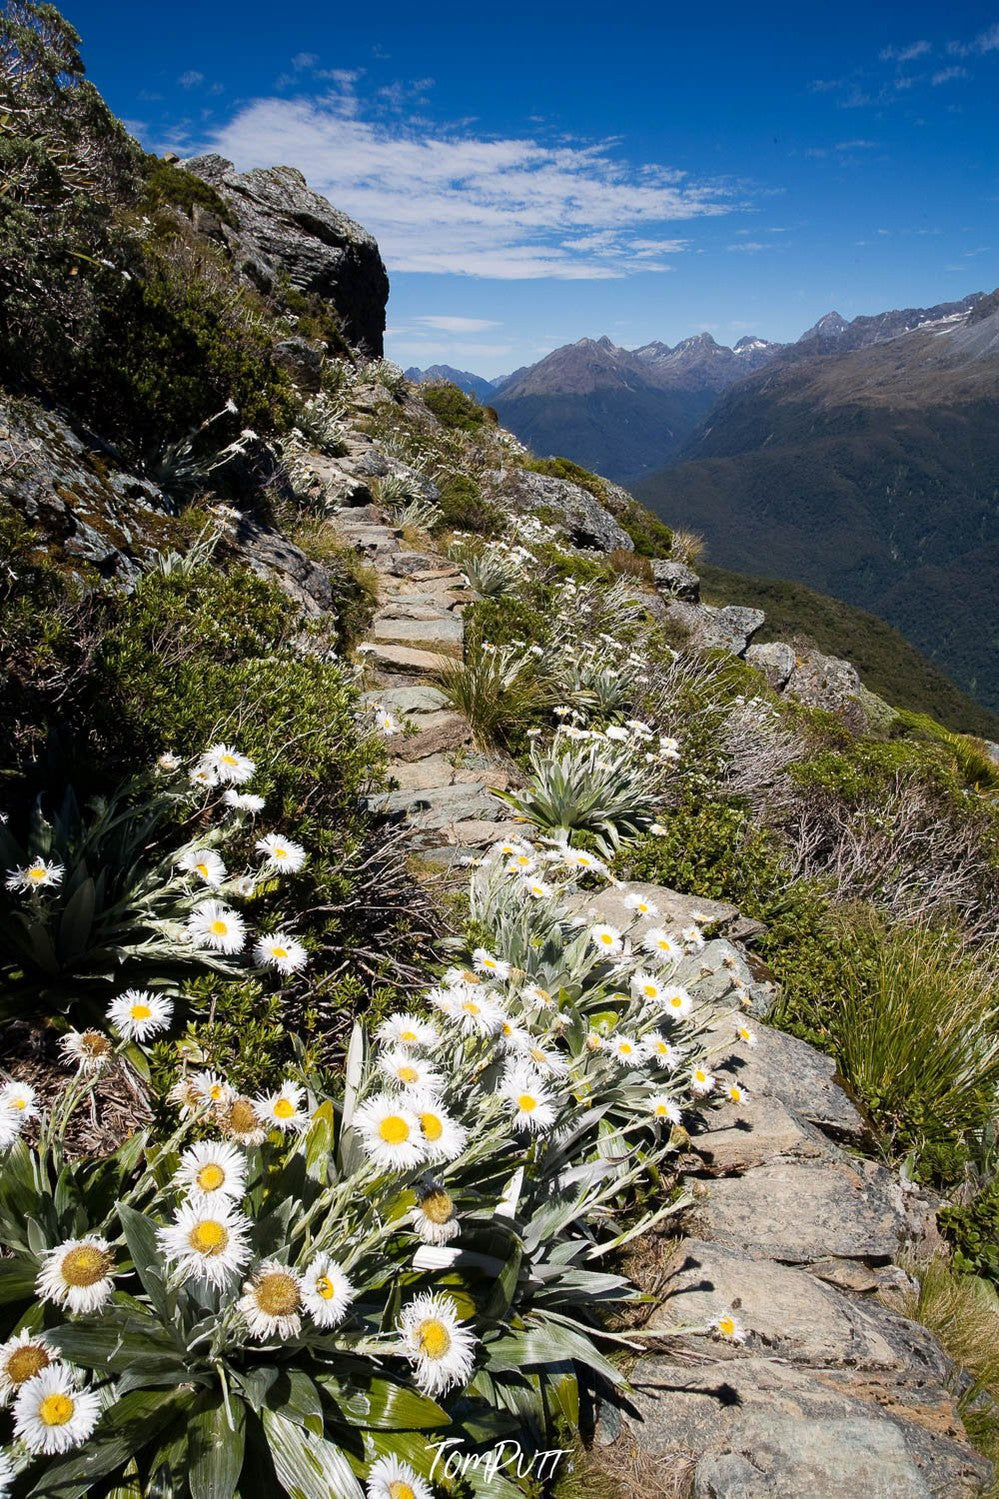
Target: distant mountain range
x=473, y=385
x=864, y=461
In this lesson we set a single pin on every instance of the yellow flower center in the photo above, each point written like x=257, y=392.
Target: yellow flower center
x=209, y=1237
x=408, y=1075
x=279, y=952
x=84, y=1266
x=400, y=1489
x=56, y=1410
x=394, y=1130
x=325, y=1288
x=140, y=1012
x=210, y=1177
x=470, y=977
x=215, y=1092
x=18, y=1103
x=661, y=1111
x=438, y=1206
x=277, y=1295
x=471, y=1008
x=606, y=938
x=408, y=1036
x=219, y=928
x=649, y=990
x=280, y=853
x=432, y=1126
x=37, y=872
x=228, y=759
x=202, y=869
x=433, y=1338
x=25, y=1362
x=284, y=1108
x=526, y=1103
x=95, y=1044
x=726, y=1326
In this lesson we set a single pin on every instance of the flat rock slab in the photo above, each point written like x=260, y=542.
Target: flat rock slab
x=757, y=1132
x=798, y=1213
x=801, y=1077
x=402, y=658
x=442, y=632
x=675, y=910
x=420, y=698
x=762, y=1429
x=443, y=770
x=439, y=807
x=790, y=1315
x=438, y=732
x=406, y=609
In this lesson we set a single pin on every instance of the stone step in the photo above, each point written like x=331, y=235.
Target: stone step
x=757, y=1132
x=443, y=770
x=399, y=608
x=439, y=807
x=407, y=701
x=438, y=732
x=402, y=659
x=798, y=1213
x=443, y=634
x=788, y=1314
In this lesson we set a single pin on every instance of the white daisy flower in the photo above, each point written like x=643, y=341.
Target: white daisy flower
x=202, y=775
x=238, y=1120
x=663, y=1053
x=729, y=1328
x=167, y=761
x=408, y=1070
x=284, y=1109
x=21, y=1358
x=77, y=1275
x=617, y=733
x=88, y=1051
x=209, y=1244
x=595, y=1041
x=444, y=1139
x=282, y=952
x=734, y=1093
x=434, y=1217
x=477, y=1014
x=513, y=848
x=520, y=864
x=701, y=1081
x=537, y=889
x=211, y=1172
x=658, y=830
x=390, y=1132
x=386, y=722
x=661, y=945
x=746, y=1034
x=327, y=1294
x=209, y=1088
x=529, y=1099
x=676, y=1002
x=606, y=939
x=206, y=864
x=533, y=994
x=625, y=1049
x=665, y=1109
x=407, y=1030
x=692, y=938
x=228, y=765
x=640, y=905
x=39, y=874
x=578, y=858
x=543, y=1058
x=271, y=1303
x=218, y=927
x=281, y=853
x=646, y=986
x=244, y=801
x=483, y=961
x=389, y=1478
x=19, y=1099
x=138, y=1014
x=51, y=1414
x=440, y=1347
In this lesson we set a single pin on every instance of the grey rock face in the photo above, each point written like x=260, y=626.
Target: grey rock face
x=284, y=229
x=586, y=521
x=775, y=660
x=728, y=629
x=823, y=681
x=676, y=580
x=76, y=493
x=271, y=555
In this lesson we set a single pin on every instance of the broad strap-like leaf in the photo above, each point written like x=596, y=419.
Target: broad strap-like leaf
x=214, y=1449
x=307, y=1466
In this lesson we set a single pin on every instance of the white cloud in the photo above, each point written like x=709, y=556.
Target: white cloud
x=191, y=79
x=443, y=202
x=906, y=54
x=749, y=246
x=456, y=324
x=985, y=41
x=947, y=75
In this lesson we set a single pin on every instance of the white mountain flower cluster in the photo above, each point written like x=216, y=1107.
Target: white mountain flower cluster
x=370, y=1253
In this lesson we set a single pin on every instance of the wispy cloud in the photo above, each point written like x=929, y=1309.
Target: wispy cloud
x=856, y=145
x=906, y=54
x=450, y=200
x=456, y=324
x=191, y=79
x=947, y=75
x=985, y=41
x=749, y=246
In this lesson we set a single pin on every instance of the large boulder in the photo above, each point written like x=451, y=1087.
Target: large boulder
x=676, y=580
x=284, y=230
x=586, y=521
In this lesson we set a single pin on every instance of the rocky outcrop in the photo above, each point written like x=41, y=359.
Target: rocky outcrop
x=285, y=231
x=795, y=1232
x=587, y=523
x=730, y=628
x=677, y=581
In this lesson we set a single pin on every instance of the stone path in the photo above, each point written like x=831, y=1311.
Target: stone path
x=443, y=784
x=831, y=1395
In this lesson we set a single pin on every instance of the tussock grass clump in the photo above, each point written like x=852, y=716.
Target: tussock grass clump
x=916, y=1031
x=496, y=687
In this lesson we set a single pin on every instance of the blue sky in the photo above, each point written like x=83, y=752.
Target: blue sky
x=536, y=173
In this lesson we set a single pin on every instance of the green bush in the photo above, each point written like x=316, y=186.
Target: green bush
x=651, y=537
x=462, y=507
x=564, y=468
x=167, y=185
x=973, y=1230
x=454, y=409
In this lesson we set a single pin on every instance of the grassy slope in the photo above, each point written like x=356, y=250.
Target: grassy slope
x=887, y=663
